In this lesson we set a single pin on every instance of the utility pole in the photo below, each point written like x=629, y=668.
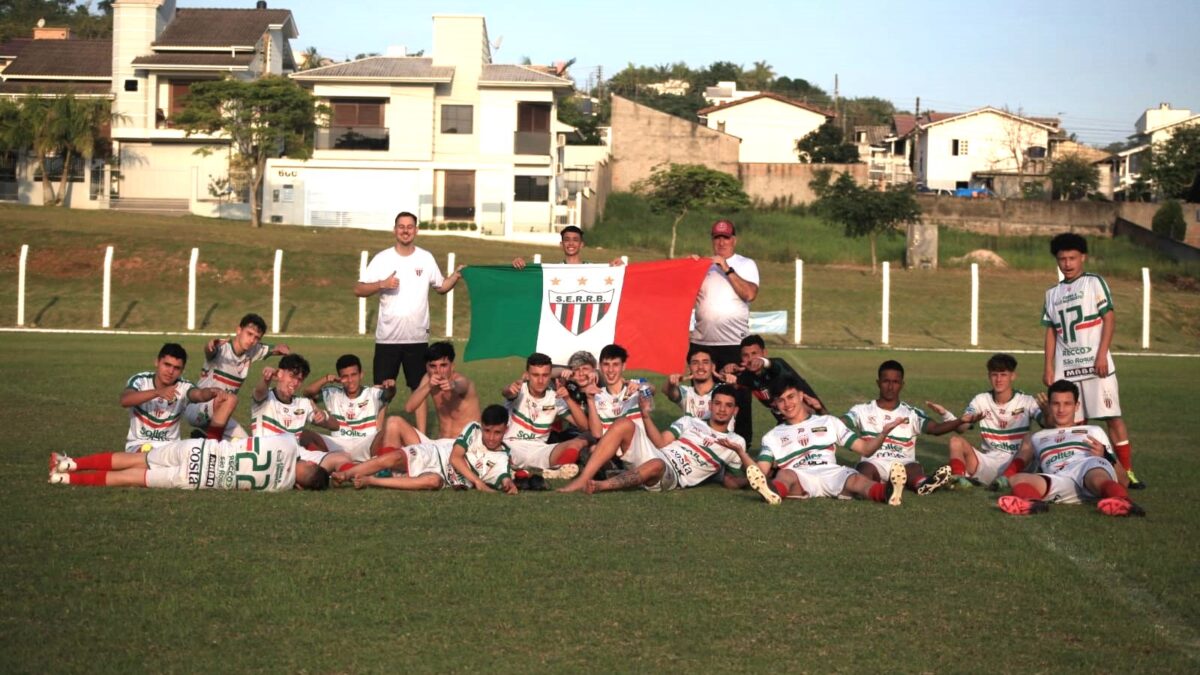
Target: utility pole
x=837, y=112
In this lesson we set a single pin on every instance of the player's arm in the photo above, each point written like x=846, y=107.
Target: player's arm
x=324, y=420
x=672, y=392
x=1107, y=328
x=313, y=389
x=735, y=479
x=458, y=460
x=1049, y=347
x=201, y=395
x=949, y=421
x=264, y=385
x=449, y=282
x=594, y=425
x=867, y=446
x=660, y=439
x=746, y=290
x=365, y=289
x=279, y=350
x=418, y=396
x=387, y=390
x=574, y=411
x=131, y=397
x=211, y=347
x=510, y=392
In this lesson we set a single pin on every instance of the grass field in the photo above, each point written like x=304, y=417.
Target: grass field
x=118, y=580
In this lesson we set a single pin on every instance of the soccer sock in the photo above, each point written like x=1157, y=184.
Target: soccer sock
x=95, y=478
x=1014, y=467
x=346, y=467
x=780, y=488
x=1124, y=454
x=1026, y=491
x=1113, y=490
x=98, y=462
x=568, y=456
x=215, y=432
x=878, y=492
x=384, y=451
x=312, y=447
x=520, y=474
x=958, y=467
x=915, y=482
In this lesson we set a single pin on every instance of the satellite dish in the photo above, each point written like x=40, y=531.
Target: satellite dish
x=496, y=43
x=41, y=22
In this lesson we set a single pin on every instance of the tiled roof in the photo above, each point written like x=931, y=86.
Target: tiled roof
x=14, y=47
x=203, y=59
x=62, y=58
x=220, y=27
x=875, y=132
x=767, y=94
x=494, y=73
x=36, y=87
x=904, y=123
x=381, y=68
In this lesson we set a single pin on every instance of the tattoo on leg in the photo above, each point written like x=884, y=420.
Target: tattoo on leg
x=626, y=479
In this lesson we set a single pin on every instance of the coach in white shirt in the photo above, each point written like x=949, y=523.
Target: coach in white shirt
x=402, y=275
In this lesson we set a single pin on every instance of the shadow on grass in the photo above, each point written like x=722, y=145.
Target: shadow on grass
x=942, y=340
x=125, y=317
x=287, y=319
x=208, y=315
x=856, y=336
x=37, y=320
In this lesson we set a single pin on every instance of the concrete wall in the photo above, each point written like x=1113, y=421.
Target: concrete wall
x=1008, y=217
x=1141, y=213
x=592, y=208
x=643, y=138
x=771, y=183
x=1164, y=245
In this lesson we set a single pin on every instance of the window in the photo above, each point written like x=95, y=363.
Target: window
x=457, y=119
x=8, y=167
x=860, y=137
x=355, y=124
x=131, y=85
x=958, y=148
x=531, y=188
x=179, y=93
x=352, y=113
x=533, y=117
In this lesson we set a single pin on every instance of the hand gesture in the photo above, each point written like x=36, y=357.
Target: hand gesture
x=970, y=418
x=390, y=283
x=361, y=482
x=726, y=443
x=388, y=384
x=811, y=401
x=509, y=487
x=719, y=261
x=1096, y=446
x=674, y=379
x=560, y=388
x=214, y=343
x=320, y=416
x=887, y=428
x=631, y=388
x=616, y=262
x=1043, y=402
x=518, y=263
x=282, y=349
x=437, y=382
x=593, y=386
x=168, y=393
x=936, y=407
x=732, y=369
x=269, y=374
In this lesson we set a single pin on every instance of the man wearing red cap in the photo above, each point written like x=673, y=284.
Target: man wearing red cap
x=723, y=307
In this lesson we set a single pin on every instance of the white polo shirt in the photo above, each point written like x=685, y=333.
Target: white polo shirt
x=404, y=310
x=723, y=318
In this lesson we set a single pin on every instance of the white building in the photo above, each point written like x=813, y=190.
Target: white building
x=768, y=124
x=1156, y=125
x=950, y=152
x=726, y=92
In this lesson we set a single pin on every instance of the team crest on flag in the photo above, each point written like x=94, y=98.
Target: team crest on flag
x=579, y=310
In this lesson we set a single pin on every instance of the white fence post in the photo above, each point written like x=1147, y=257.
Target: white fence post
x=799, y=308
x=275, y=291
x=884, y=332
x=450, y=298
x=362, y=302
x=106, y=306
x=974, y=304
x=537, y=258
x=21, y=284
x=191, y=321
x=1145, y=308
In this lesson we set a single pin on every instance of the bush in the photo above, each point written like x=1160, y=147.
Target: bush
x=1168, y=221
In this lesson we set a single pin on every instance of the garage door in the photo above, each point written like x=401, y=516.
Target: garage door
x=362, y=198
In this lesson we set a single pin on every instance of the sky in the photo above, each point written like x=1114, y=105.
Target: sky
x=1095, y=64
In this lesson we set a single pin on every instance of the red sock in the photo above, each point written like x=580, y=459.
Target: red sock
x=387, y=450
x=520, y=473
x=1026, y=491
x=215, y=432
x=91, y=478
x=1113, y=489
x=958, y=467
x=780, y=488
x=312, y=447
x=1014, y=467
x=878, y=493
x=346, y=467
x=1124, y=454
x=98, y=462
x=568, y=456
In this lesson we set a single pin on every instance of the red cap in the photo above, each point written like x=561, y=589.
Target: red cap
x=723, y=228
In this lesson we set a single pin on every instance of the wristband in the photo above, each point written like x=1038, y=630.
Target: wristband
x=730, y=272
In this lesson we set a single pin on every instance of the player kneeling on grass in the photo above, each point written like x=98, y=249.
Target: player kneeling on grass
x=535, y=405
x=802, y=448
x=476, y=459
x=1075, y=464
x=360, y=412
x=691, y=451
x=269, y=464
x=157, y=399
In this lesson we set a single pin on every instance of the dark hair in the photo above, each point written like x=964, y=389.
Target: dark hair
x=755, y=340
x=439, y=350
x=538, y=359
x=1068, y=241
x=782, y=384
x=346, y=361
x=724, y=390
x=698, y=349
x=255, y=320
x=318, y=480
x=891, y=364
x=1064, y=386
x=295, y=364
x=173, y=349
x=571, y=228
x=1001, y=363
x=396, y=220
x=614, y=352
x=494, y=414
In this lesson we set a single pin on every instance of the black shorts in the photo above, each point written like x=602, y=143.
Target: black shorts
x=721, y=354
x=389, y=358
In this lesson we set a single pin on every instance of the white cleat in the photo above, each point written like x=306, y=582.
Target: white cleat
x=939, y=479
x=897, y=477
x=60, y=463
x=758, y=482
x=59, y=478
x=564, y=472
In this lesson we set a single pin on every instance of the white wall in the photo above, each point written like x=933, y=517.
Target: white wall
x=990, y=138
x=768, y=128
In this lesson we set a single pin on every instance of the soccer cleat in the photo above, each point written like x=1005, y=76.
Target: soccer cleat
x=897, y=477
x=962, y=483
x=57, y=478
x=1000, y=484
x=758, y=482
x=1134, y=483
x=60, y=463
x=1118, y=507
x=564, y=472
x=938, y=480
x=1019, y=506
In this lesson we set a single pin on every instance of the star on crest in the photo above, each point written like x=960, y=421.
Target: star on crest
x=583, y=281
x=555, y=281
x=608, y=281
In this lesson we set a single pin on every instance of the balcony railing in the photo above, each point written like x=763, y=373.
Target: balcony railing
x=531, y=142
x=352, y=138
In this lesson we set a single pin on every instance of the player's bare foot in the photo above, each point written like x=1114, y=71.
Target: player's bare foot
x=758, y=482
x=897, y=477
x=577, y=485
x=592, y=487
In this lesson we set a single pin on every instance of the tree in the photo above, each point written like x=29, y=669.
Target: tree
x=863, y=211
x=1168, y=221
x=826, y=146
x=61, y=126
x=758, y=78
x=679, y=188
x=268, y=117
x=1073, y=177
x=1174, y=164
x=866, y=110
x=80, y=128
x=18, y=18
x=311, y=58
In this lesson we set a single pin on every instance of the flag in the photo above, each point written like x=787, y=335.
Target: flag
x=561, y=309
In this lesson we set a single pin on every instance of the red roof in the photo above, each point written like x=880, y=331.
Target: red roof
x=767, y=94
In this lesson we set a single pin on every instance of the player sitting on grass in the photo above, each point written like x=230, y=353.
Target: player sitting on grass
x=694, y=397
x=900, y=445
x=803, y=449
x=1072, y=462
x=579, y=384
x=360, y=412
x=276, y=408
x=1005, y=417
x=226, y=365
x=453, y=394
x=157, y=399
x=477, y=459
x=269, y=464
x=534, y=406
x=691, y=451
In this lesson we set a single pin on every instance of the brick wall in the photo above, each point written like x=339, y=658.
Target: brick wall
x=788, y=183
x=643, y=138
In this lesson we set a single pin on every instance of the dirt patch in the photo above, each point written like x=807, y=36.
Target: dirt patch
x=75, y=263
x=982, y=256
x=1182, y=283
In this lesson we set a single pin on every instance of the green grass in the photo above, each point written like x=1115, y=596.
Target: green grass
x=119, y=580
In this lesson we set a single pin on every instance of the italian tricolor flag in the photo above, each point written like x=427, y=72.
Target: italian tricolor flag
x=561, y=309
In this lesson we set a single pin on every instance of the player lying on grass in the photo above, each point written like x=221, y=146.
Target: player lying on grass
x=477, y=459
x=534, y=406
x=360, y=412
x=683, y=456
x=453, y=394
x=1073, y=464
x=157, y=400
x=900, y=444
x=693, y=397
x=269, y=464
x=802, y=448
x=226, y=365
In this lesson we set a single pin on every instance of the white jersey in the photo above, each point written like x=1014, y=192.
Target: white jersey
x=811, y=443
x=696, y=455
x=531, y=416
x=1075, y=309
x=358, y=416
x=267, y=464
x=723, y=318
x=694, y=403
x=156, y=420
x=226, y=370
x=272, y=416
x=1003, y=426
x=868, y=419
x=612, y=407
x=404, y=310
x=490, y=465
x=1057, y=449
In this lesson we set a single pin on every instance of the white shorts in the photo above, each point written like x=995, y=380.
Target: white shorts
x=1099, y=399
x=991, y=465
x=144, y=446
x=883, y=465
x=167, y=464
x=824, y=481
x=199, y=415
x=670, y=477
x=358, y=447
x=640, y=450
x=424, y=458
x=528, y=454
x=1067, y=487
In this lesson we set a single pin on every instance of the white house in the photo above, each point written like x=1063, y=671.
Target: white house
x=955, y=151
x=451, y=137
x=726, y=92
x=768, y=124
x=1156, y=125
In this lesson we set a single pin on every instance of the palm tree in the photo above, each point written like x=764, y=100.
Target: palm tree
x=311, y=58
x=761, y=76
x=81, y=125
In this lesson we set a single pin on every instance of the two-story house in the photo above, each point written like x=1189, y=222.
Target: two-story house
x=768, y=124
x=1154, y=126
x=452, y=137
x=972, y=149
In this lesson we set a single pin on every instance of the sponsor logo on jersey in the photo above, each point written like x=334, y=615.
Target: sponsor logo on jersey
x=193, y=466
x=155, y=434
x=419, y=270
x=819, y=430
x=1078, y=372
x=1076, y=351
x=210, y=476
x=579, y=310
x=547, y=408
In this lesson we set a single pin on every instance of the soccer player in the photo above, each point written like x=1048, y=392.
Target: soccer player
x=277, y=408
x=619, y=399
x=226, y=365
x=693, y=398
x=802, y=448
x=756, y=372
x=156, y=400
x=1080, y=323
x=571, y=241
x=1072, y=464
x=360, y=412
x=477, y=459
x=268, y=464
x=534, y=406
x=453, y=394
x=579, y=384
x=900, y=442
x=684, y=456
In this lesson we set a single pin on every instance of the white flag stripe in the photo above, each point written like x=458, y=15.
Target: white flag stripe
x=587, y=288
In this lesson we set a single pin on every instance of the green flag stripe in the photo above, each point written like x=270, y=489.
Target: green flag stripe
x=505, y=310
